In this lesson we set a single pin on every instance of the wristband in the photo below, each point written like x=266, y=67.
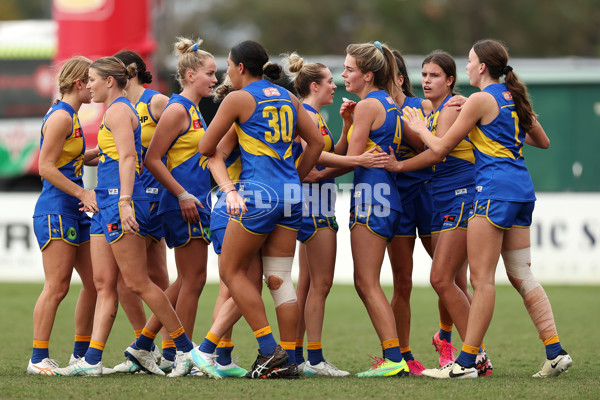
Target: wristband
x=124, y=198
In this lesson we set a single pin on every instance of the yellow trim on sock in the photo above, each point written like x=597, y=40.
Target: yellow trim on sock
x=404, y=349
x=40, y=344
x=314, y=346
x=299, y=342
x=447, y=328
x=483, y=346
x=97, y=345
x=137, y=332
x=470, y=349
x=168, y=344
x=225, y=343
x=82, y=338
x=288, y=345
x=176, y=333
x=148, y=333
x=213, y=338
x=387, y=344
x=551, y=340
x=262, y=331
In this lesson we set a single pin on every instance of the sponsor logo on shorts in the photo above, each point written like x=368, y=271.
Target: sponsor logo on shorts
x=449, y=218
x=479, y=188
x=113, y=192
x=460, y=191
x=72, y=233
x=112, y=228
x=151, y=190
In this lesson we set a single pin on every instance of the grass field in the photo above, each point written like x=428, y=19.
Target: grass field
x=512, y=343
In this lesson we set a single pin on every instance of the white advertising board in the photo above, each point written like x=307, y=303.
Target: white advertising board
x=565, y=238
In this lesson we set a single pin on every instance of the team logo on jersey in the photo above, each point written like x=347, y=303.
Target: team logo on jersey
x=77, y=133
x=324, y=131
x=270, y=92
x=390, y=100
x=197, y=124
x=507, y=96
x=112, y=227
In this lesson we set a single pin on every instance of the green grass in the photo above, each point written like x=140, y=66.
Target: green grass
x=512, y=343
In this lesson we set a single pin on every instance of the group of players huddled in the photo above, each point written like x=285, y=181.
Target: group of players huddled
x=446, y=167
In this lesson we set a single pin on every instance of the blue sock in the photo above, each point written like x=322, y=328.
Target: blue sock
x=81, y=345
x=266, y=344
x=300, y=354
x=552, y=350
x=466, y=360
x=224, y=355
x=292, y=356
x=169, y=353
x=315, y=356
x=393, y=354
x=208, y=346
x=144, y=343
x=39, y=354
x=182, y=342
x=407, y=355
x=93, y=356
x=445, y=335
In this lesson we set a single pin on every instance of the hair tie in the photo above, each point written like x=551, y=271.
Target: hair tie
x=195, y=47
x=266, y=65
x=378, y=45
x=507, y=69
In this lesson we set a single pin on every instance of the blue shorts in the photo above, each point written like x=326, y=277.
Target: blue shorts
x=455, y=215
x=216, y=238
x=417, y=213
x=56, y=227
x=262, y=220
x=311, y=224
x=504, y=214
x=179, y=232
x=218, y=222
x=381, y=221
x=107, y=222
x=155, y=228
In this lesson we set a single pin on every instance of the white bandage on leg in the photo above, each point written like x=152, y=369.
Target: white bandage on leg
x=518, y=266
x=278, y=277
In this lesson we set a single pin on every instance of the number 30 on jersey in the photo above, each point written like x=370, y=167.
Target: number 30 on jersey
x=282, y=123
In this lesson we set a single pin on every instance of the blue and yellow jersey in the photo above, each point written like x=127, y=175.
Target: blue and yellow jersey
x=70, y=163
x=185, y=163
x=314, y=190
x=108, y=188
x=457, y=170
x=265, y=140
x=406, y=181
x=377, y=186
x=501, y=173
x=148, y=122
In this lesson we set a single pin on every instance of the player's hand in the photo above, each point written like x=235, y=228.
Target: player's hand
x=236, y=206
x=128, y=222
x=373, y=158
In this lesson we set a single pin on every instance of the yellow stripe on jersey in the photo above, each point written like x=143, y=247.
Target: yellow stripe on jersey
x=488, y=146
x=187, y=147
x=370, y=144
x=255, y=146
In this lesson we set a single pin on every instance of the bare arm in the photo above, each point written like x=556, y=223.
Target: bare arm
x=537, y=137
x=173, y=122
x=57, y=128
x=308, y=131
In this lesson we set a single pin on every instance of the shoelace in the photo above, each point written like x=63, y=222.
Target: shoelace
x=53, y=363
x=417, y=364
x=447, y=350
x=376, y=361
